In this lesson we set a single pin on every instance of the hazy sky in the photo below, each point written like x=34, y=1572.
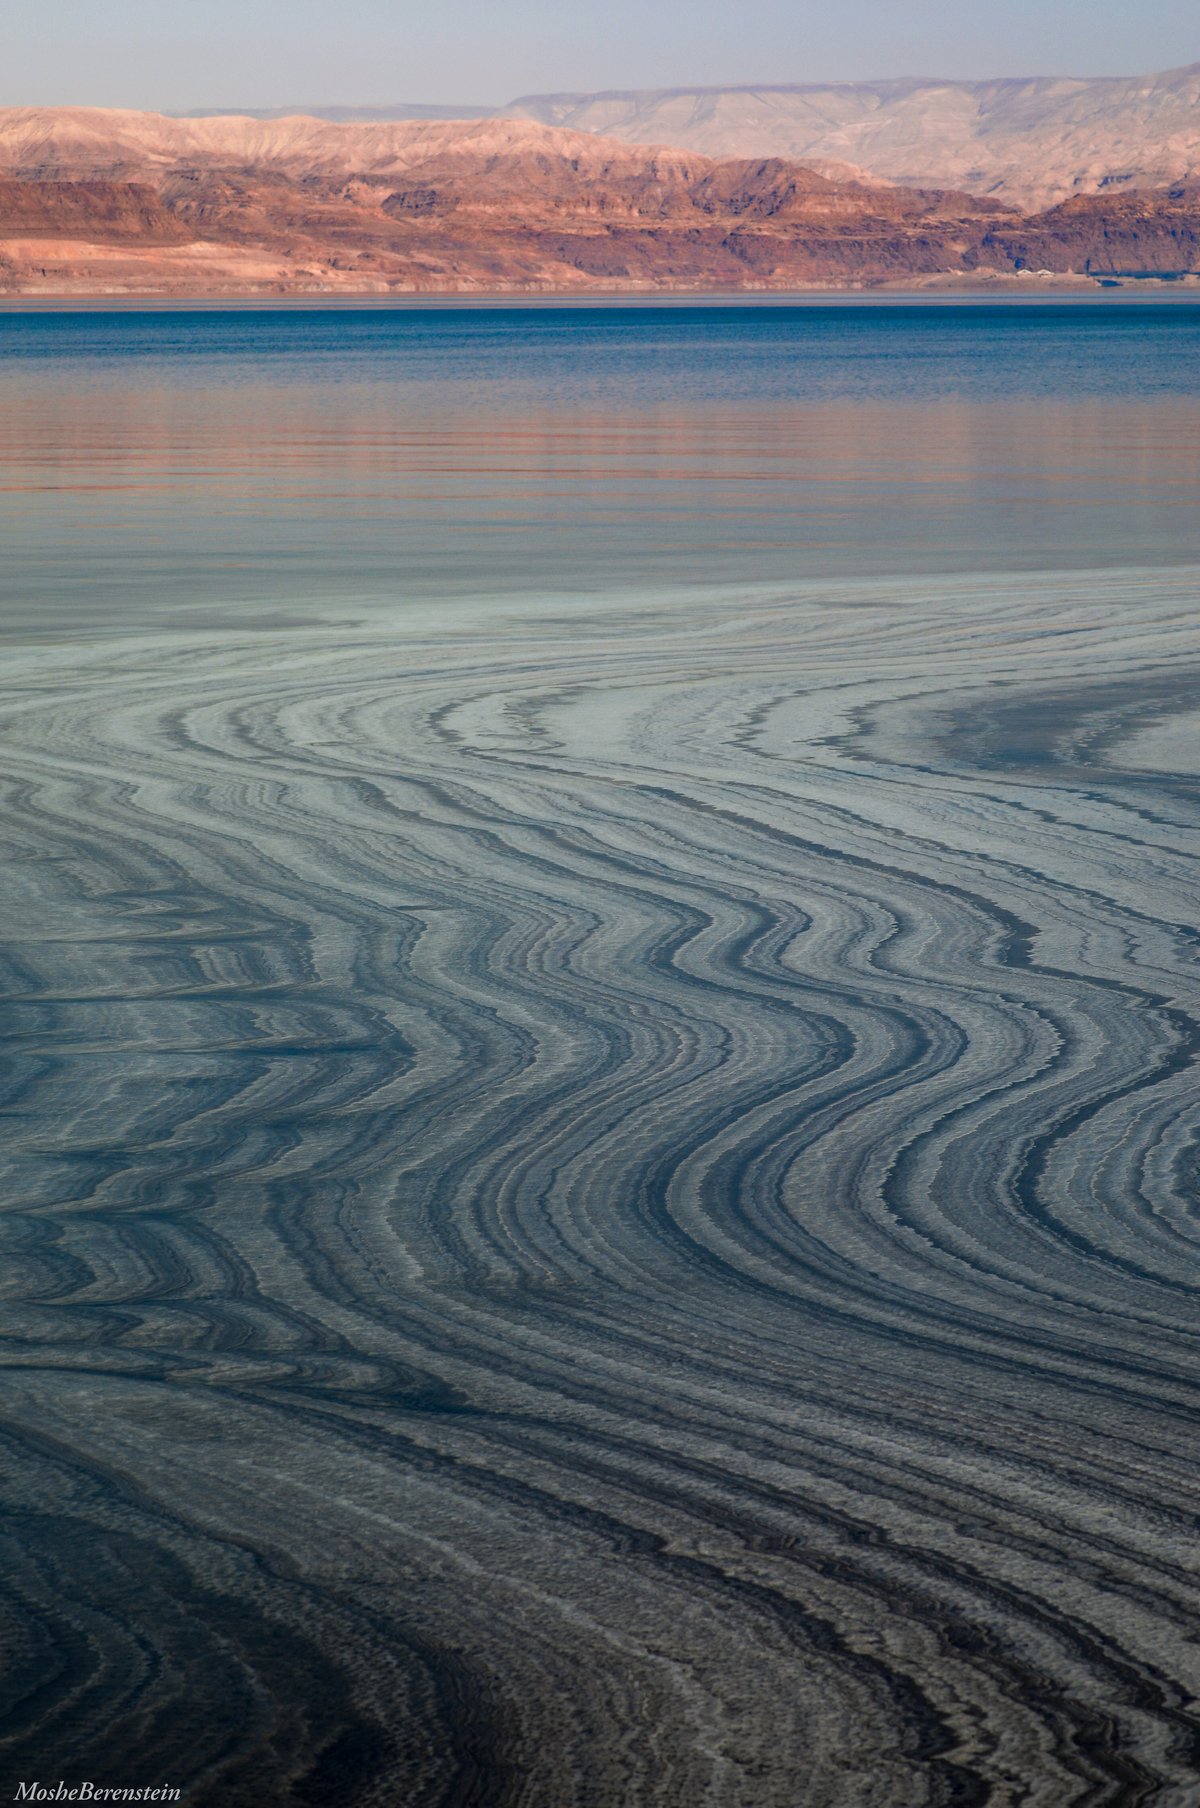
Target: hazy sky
x=153, y=53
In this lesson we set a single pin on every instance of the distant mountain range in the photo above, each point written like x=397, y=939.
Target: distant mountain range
x=1032, y=141
x=404, y=110
x=102, y=201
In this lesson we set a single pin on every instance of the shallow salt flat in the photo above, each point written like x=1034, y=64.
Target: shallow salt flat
x=602, y=1203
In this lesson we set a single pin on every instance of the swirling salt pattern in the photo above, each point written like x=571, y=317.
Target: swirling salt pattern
x=602, y=1206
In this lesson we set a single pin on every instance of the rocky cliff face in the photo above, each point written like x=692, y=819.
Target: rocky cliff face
x=123, y=202
x=118, y=212
x=1147, y=234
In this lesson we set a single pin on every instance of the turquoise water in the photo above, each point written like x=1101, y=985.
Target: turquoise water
x=252, y=460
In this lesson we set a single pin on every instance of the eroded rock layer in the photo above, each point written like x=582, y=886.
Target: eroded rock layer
x=95, y=201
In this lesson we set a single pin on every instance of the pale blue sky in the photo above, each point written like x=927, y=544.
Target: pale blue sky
x=158, y=53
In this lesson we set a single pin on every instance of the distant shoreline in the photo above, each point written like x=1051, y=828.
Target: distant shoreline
x=1143, y=292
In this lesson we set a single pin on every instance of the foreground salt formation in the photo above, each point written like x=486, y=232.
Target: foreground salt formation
x=601, y=1207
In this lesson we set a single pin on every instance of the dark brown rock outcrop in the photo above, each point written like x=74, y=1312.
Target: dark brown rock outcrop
x=1147, y=234
x=119, y=212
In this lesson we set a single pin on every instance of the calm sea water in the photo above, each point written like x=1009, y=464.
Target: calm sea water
x=253, y=460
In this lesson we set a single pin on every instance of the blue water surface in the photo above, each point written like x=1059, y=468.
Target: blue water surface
x=258, y=459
